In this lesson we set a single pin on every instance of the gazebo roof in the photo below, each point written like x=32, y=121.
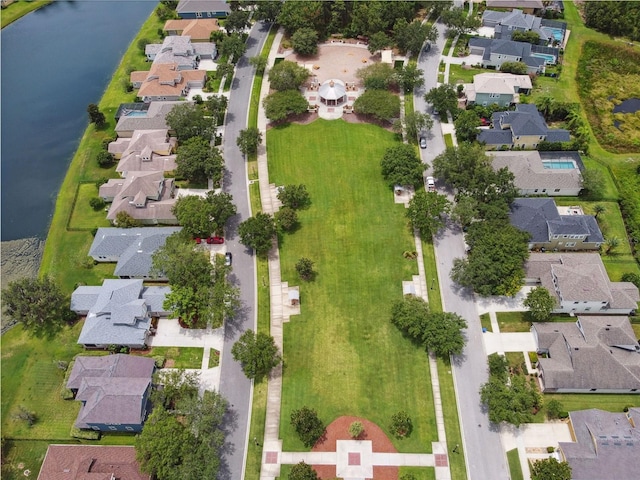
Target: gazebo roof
x=332, y=90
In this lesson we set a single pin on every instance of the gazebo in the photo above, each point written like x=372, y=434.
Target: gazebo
x=333, y=92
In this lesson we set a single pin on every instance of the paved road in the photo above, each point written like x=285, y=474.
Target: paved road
x=234, y=386
x=483, y=449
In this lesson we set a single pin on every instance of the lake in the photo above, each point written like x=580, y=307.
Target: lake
x=55, y=62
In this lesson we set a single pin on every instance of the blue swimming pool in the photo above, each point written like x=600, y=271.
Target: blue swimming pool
x=551, y=59
x=558, y=33
x=137, y=113
x=559, y=164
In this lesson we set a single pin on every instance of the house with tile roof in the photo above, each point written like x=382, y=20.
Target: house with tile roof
x=523, y=128
x=165, y=82
x=144, y=151
x=180, y=51
x=580, y=284
x=147, y=196
x=502, y=89
x=132, y=117
x=495, y=52
x=505, y=23
x=131, y=248
x=114, y=391
x=118, y=312
x=534, y=172
x=594, y=354
x=91, y=462
x=203, y=9
x=605, y=444
x=199, y=30
x=549, y=230
x=528, y=6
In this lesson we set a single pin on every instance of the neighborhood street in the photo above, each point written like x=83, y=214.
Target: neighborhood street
x=234, y=386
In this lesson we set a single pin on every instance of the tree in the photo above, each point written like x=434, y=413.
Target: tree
x=302, y=471
x=401, y=424
x=465, y=211
x=287, y=75
x=458, y=21
x=610, y=244
x=377, y=76
x=467, y=125
x=181, y=263
x=294, y=196
x=550, y=469
x=225, y=70
x=258, y=233
x=443, y=334
x=295, y=15
x=513, y=402
x=540, y=304
x=554, y=409
x=410, y=77
x=188, y=120
x=631, y=277
x=304, y=267
x=546, y=105
x=177, y=384
x=198, y=161
x=224, y=296
x=379, y=104
x=498, y=367
x=104, y=159
x=216, y=106
x=97, y=203
x=124, y=220
x=528, y=36
x=401, y=165
x=259, y=62
x=307, y=425
x=305, y=41
x=279, y=105
x=286, y=219
x=426, y=212
x=233, y=47
x=416, y=122
x=410, y=37
x=267, y=10
x=25, y=415
x=258, y=354
x=443, y=98
x=237, y=21
x=96, y=116
x=378, y=41
x=221, y=208
x=593, y=184
x=410, y=315
x=355, y=429
x=517, y=68
x=598, y=208
x=188, y=304
x=200, y=217
x=248, y=140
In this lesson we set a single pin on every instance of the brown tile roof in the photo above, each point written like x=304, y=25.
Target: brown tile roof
x=150, y=188
x=165, y=80
x=197, y=29
x=90, y=462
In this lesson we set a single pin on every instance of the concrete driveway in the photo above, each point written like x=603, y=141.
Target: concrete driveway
x=171, y=334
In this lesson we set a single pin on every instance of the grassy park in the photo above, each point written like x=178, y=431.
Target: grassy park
x=342, y=355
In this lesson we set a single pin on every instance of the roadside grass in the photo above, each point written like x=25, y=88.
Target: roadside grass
x=214, y=358
x=485, y=322
x=515, y=468
x=19, y=9
x=448, y=140
x=355, y=234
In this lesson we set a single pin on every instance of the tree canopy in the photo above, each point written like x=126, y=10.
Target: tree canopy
x=257, y=353
x=411, y=36
x=248, y=140
x=426, y=212
x=279, y=105
x=237, y=21
x=517, y=68
x=377, y=76
x=188, y=120
x=540, y=304
x=443, y=98
x=287, y=75
x=305, y=41
x=401, y=165
x=201, y=217
x=410, y=77
x=307, y=425
x=458, y=21
x=467, y=125
x=613, y=18
x=380, y=104
x=233, y=46
x=510, y=402
x=550, y=468
x=258, y=233
x=198, y=161
x=96, y=116
x=294, y=196
x=302, y=471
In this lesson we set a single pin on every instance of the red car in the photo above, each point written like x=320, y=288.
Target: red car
x=198, y=240
x=215, y=240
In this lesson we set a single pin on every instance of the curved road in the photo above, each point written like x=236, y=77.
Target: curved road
x=234, y=386
x=483, y=449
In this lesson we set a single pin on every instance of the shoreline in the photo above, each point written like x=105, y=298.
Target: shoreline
x=28, y=7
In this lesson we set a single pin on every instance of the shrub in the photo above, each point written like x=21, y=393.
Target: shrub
x=307, y=425
x=97, y=203
x=84, y=434
x=401, y=424
x=554, y=409
x=533, y=358
x=356, y=429
x=105, y=159
x=159, y=360
x=66, y=394
x=550, y=449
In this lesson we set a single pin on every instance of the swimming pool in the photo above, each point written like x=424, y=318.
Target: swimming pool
x=558, y=33
x=137, y=113
x=547, y=57
x=559, y=164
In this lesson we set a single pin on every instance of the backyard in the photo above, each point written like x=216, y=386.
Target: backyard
x=342, y=355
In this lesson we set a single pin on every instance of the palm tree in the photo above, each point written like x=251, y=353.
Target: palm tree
x=546, y=105
x=573, y=118
x=611, y=243
x=598, y=208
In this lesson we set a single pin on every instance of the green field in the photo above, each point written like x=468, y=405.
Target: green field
x=342, y=355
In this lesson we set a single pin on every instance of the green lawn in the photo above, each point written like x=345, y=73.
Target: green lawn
x=485, y=321
x=19, y=9
x=458, y=74
x=515, y=468
x=83, y=216
x=513, y=322
x=342, y=355
x=182, y=357
x=583, y=401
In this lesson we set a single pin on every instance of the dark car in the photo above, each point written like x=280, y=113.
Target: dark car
x=228, y=257
x=215, y=240
x=423, y=142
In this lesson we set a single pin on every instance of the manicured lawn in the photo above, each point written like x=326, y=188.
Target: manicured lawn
x=513, y=322
x=26, y=454
x=19, y=9
x=485, y=321
x=342, y=355
x=448, y=140
x=183, y=357
x=515, y=468
x=583, y=401
x=84, y=217
x=458, y=74
x=419, y=473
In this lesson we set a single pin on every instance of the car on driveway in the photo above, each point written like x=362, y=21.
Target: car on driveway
x=215, y=240
x=228, y=258
x=431, y=184
x=423, y=142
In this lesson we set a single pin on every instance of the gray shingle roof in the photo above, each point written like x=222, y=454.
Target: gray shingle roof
x=190, y=6
x=532, y=215
x=155, y=296
x=525, y=120
x=110, y=366
x=495, y=136
x=607, y=445
x=591, y=356
x=154, y=118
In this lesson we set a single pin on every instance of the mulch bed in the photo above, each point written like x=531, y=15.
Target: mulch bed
x=339, y=430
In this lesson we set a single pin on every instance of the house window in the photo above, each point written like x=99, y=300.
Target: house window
x=557, y=190
x=565, y=236
x=112, y=427
x=570, y=244
x=130, y=429
x=95, y=428
x=198, y=14
x=541, y=137
x=208, y=14
x=535, y=191
x=544, y=190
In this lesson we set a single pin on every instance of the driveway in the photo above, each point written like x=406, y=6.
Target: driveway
x=171, y=334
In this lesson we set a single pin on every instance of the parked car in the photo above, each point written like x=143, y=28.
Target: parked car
x=228, y=258
x=215, y=240
x=423, y=142
x=431, y=184
x=198, y=240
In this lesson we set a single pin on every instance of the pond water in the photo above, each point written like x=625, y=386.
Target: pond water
x=55, y=61
x=630, y=105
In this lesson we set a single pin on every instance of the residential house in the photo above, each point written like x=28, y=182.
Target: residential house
x=118, y=312
x=591, y=355
x=199, y=30
x=505, y=23
x=178, y=50
x=131, y=248
x=536, y=173
x=132, y=117
x=495, y=52
x=527, y=6
x=147, y=196
x=501, y=89
x=605, y=444
x=550, y=230
x=83, y=462
x=144, y=151
x=523, y=128
x=203, y=9
x=114, y=391
x=580, y=284
x=164, y=81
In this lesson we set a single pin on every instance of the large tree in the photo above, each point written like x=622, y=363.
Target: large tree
x=401, y=165
x=96, y=116
x=38, y=304
x=181, y=263
x=379, y=104
x=305, y=41
x=249, y=139
x=257, y=353
x=540, y=304
x=188, y=120
x=294, y=196
x=411, y=36
x=201, y=217
x=443, y=334
x=295, y=15
x=279, y=105
x=237, y=21
x=258, y=233
x=216, y=106
x=377, y=76
x=467, y=125
x=378, y=41
x=459, y=21
x=426, y=212
x=416, y=123
x=233, y=47
x=302, y=471
x=511, y=402
x=410, y=77
x=267, y=10
x=307, y=425
x=550, y=468
x=443, y=98
x=410, y=315
x=287, y=75
x=198, y=161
